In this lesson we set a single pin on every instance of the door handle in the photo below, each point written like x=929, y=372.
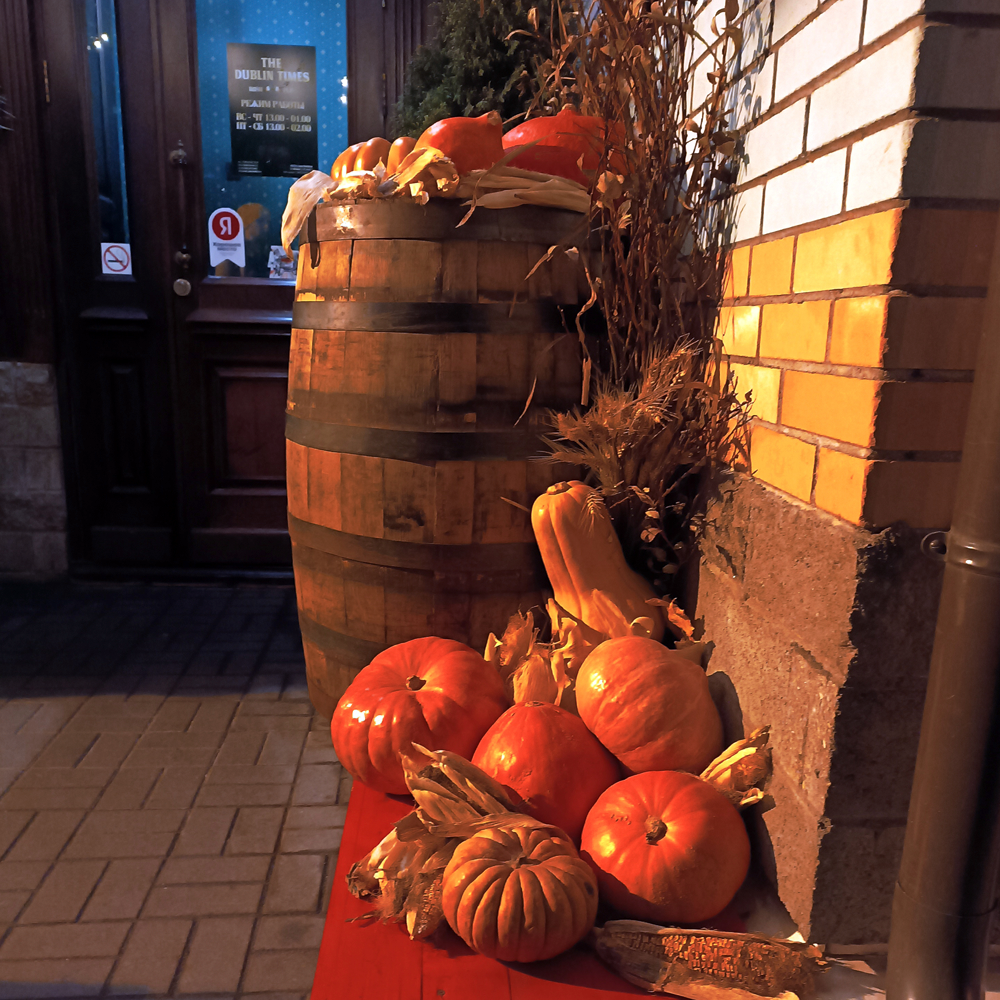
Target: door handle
x=179, y=158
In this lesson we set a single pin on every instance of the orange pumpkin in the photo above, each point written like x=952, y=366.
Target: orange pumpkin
x=519, y=895
x=398, y=152
x=666, y=847
x=550, y=763
x=345, y=162
x=553, y=160
x=470, y=143
x=370, y=153
x=649, y=706
x=582, y=135
x=436, y=692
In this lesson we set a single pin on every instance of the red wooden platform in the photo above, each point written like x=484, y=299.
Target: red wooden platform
x=373, y=961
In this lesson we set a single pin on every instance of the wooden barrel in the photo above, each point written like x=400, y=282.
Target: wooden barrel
x=415, y=347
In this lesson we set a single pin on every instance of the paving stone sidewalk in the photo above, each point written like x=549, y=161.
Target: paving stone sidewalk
x=171, y=806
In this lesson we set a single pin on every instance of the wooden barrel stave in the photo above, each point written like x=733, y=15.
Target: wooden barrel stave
x=411, y=361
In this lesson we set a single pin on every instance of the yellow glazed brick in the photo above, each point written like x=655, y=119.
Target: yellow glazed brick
x=932, y=332
x=922, y=416
x=738, y=326
x=771, y=267
x=797, y=331
x=782, y=461
x=848, y=255
x=764, y=385
x=831, y=405
x=920, y=493
x=737, y=273
x=840, y=484
x=857, y=334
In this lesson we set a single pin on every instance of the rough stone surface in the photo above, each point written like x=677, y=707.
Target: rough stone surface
x=32, y=498
x=823, y=631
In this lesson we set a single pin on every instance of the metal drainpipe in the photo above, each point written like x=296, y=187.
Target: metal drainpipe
x=946, y=890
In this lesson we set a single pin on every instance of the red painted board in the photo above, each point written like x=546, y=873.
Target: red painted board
x=366, y=960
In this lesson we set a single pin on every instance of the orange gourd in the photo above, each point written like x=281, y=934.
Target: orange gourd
x=581, y=135
x=521, y=894
x=649, y=706
x=398, y=152
x=470, y=143
x=345, y=162
x=436, y=692
x=582, y=554
x=370, y=153
x=553, y=160
x=666, y=847
x=552, y=766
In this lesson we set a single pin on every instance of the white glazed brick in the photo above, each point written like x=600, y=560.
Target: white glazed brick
x=747, y=214
x=775, y=142
x=789, y=13
x=750, y=96
x=884, y=15
x=822, y=43
x=807, y=193
x=877, y=86
x=953, y=160
x=959, y=68
x=876, y=170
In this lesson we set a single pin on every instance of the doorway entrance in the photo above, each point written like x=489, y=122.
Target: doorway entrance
x=175, y=129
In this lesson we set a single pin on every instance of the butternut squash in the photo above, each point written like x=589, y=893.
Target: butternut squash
x=585, y=562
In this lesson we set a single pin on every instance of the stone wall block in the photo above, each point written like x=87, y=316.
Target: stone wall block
x=17, y=553
x=32, y=511
x=50, y=553
x=8, y=384
x=29, y=426
x=36, y=385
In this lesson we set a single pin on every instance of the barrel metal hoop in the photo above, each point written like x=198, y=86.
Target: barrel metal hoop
x=412, y=446
x=434, y=317
x=426, y=556
x=353, y=652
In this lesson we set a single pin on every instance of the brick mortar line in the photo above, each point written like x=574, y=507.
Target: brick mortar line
x=856, y=292
x=895, y=376
x=276, y=853
x=860, y=451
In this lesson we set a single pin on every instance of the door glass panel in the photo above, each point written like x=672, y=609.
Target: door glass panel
x=109, y=148
x=259, y=64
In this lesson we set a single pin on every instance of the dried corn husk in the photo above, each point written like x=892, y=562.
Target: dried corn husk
x=707, y=965
x=742, y=770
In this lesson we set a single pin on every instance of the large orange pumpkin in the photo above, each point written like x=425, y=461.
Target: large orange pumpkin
x=582, y=135
x=666, y=847
x=519, y=895
x=436, y=692
x=470, y=143
x=649, y=706
x=552, y=765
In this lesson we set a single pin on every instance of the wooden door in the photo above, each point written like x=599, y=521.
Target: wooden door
x=175, y=375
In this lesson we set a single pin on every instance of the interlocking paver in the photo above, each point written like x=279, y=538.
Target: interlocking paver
x=151, y=957
x=255, y=831
x=198, y=900
x=46, y=836
x=206, y=830
x=63, y=893
x=215, y=959
x=183, y=711
x=122, y=889
x=295, y=884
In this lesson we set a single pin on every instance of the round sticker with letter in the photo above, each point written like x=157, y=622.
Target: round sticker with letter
x=225, y=238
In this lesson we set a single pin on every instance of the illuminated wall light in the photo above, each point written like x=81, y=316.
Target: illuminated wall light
x=343, y=82
x=97, y=43
x=104, y=36
x=343, y=98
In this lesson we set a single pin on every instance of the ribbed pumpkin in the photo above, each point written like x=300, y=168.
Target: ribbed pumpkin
x=581, y=553
x=666, y=847
x=398, y=152
x=551, y=764
x=519, y=895
x=581, y=135
x=470, y=143
x=649, y=706
x=436, y=692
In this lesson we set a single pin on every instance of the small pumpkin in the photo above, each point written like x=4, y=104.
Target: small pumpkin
x=666, y=847
x=551, y=764
x=399, y=151
x=470, y=143
x=650, y=706
x=370, y=153
x=345, y=162
x=436, y=692
x=582, y=554
x=519, y=894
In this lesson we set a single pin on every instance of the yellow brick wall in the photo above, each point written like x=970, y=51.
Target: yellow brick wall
x=857, y=341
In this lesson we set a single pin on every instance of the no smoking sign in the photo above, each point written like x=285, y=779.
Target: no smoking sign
x=116, y=258
x=225, y=238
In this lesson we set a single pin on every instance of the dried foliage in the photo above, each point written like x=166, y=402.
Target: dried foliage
x=663, y=413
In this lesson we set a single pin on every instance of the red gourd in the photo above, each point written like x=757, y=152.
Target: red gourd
x=436, y=692
x=550, y=763
x=582, y=135
x=470, y=143
x=649, y=706
x=666, y=847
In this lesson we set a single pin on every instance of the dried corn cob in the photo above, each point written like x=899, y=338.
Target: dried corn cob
x=707, y=965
